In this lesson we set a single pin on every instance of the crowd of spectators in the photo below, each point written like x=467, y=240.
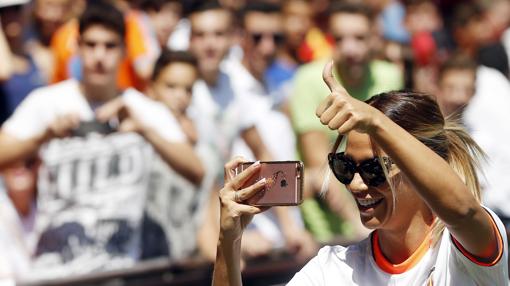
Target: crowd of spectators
x=118, y=116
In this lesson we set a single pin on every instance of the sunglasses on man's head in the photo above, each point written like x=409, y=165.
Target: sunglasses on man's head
x=277, y=38
x=344, y=168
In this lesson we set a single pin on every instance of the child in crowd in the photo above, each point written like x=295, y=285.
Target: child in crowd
x=172, y=82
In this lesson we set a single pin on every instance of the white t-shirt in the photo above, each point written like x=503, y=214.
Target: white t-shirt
x=443, y=264
x=248, y=86
x=179, y=39
x=273, y=126
x=221, y=114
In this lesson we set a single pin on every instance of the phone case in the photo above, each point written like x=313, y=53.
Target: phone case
x=284, y=185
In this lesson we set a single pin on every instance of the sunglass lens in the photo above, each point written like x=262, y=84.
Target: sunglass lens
x=343, y=169
x=372, y=173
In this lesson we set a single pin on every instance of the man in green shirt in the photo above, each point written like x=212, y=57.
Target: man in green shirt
x=351, y=27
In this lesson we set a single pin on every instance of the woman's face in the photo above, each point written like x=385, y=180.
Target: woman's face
x=375, y=204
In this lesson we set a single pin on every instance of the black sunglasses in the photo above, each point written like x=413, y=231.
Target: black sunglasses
x=277, y=38
x=370, y=170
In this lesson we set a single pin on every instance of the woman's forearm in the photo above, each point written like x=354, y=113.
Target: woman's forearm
x=179, y=156
x=13, y=149
x=234, y=217
x=227, y=268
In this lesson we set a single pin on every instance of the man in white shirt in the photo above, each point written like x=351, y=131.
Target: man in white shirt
x=92, y=188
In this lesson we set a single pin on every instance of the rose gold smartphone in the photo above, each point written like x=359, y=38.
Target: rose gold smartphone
x=284, y=185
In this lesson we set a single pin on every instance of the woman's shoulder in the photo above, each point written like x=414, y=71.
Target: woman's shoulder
x=348, y=254
x=334, y=265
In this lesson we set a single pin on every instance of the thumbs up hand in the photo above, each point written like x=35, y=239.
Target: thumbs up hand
x=340, y=111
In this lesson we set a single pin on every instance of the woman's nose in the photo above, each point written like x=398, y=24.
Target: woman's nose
x=357, y=184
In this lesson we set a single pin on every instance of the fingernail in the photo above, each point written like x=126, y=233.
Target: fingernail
x=256, y=164
x=262, y=181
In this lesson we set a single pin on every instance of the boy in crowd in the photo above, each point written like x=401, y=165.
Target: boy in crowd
x=457, y=80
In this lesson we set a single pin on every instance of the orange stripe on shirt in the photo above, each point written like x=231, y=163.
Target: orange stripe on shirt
x=409, y=263
x=484, y=261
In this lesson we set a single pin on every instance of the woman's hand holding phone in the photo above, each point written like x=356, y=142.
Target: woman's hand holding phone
x=234, y=215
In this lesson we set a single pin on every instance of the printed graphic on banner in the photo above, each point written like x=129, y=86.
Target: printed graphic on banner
x=91, y=198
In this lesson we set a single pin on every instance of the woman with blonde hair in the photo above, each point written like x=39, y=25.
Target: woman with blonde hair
x=412, y=174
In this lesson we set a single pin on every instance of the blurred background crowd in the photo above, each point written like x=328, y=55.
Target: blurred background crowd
x=200, y=82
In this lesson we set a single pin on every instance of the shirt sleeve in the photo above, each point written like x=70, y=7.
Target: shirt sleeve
x=28, y=120
x=483, y=271
x=253, y=108
x=309, y=275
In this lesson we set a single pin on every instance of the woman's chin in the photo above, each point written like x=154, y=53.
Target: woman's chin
x=371, y=223
x=373, y=218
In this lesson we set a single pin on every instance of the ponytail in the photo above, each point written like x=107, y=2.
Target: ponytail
x=464, y=155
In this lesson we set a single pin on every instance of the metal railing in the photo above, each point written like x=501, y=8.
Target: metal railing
x=274, y=269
